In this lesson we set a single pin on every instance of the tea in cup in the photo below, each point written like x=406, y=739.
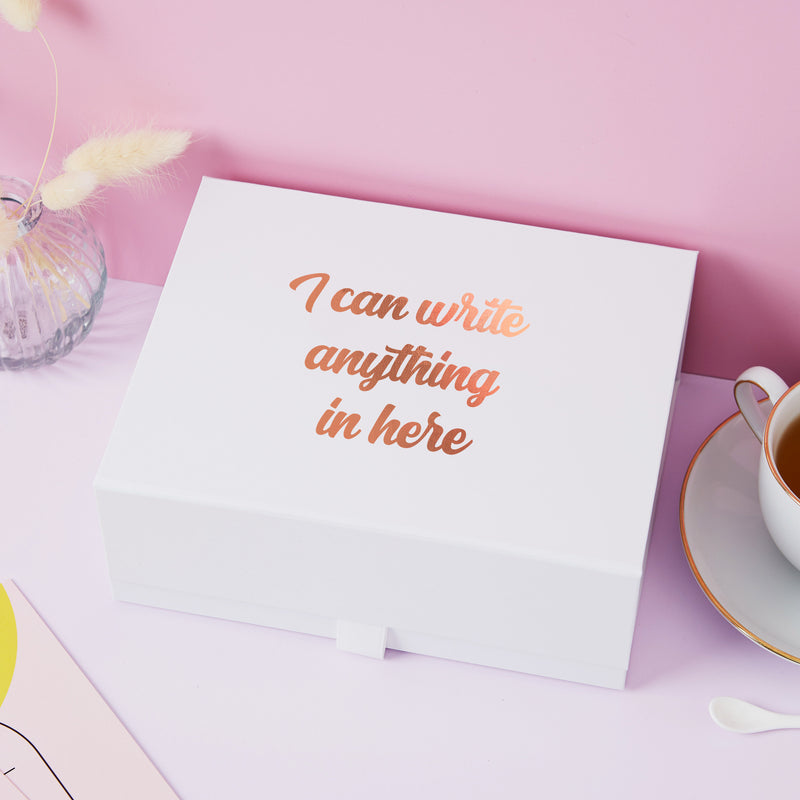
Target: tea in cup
x=777, y=426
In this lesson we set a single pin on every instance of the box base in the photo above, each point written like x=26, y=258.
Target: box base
x=395, y=639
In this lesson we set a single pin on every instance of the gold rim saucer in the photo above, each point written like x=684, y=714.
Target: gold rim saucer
x=729, y=550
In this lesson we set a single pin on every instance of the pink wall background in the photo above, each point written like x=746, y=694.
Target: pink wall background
x=675, y=123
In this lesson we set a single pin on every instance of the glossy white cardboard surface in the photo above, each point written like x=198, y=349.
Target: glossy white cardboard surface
x=513, y=533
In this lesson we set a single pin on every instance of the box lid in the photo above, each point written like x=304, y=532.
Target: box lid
x=565, y=349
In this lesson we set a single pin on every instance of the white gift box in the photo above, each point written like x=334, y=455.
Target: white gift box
x=399, y=428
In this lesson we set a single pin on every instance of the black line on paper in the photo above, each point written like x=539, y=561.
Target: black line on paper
x=44, y=760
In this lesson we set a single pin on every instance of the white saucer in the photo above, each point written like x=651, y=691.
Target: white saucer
x=730, y=551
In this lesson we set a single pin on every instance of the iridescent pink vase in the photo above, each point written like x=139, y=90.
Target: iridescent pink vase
x=51, y=281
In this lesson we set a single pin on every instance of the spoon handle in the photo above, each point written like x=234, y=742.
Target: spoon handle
x=785, y=720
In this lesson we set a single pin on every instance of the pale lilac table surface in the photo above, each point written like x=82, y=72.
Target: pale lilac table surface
x=228, y=710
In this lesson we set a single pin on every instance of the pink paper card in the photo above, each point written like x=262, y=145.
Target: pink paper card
x=58, y=738
x=8, y=791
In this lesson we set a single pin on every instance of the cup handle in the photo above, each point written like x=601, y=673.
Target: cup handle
x=769, y=383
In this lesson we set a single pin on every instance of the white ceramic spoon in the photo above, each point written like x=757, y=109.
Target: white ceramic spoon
x=742, y=717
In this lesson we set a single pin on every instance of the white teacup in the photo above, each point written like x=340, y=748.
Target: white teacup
x=780, y=505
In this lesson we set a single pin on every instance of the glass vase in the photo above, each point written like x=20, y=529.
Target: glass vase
x=51, y=280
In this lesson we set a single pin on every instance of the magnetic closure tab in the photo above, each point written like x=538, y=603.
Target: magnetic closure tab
x=366, y=640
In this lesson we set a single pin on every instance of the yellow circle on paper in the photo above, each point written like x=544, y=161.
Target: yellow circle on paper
x=8, y=643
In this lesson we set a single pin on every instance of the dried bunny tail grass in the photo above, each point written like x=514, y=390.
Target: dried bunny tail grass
x=8, y=234
x=68, y=190
x=127, y=156
x=105, y=160
x=21, y=14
